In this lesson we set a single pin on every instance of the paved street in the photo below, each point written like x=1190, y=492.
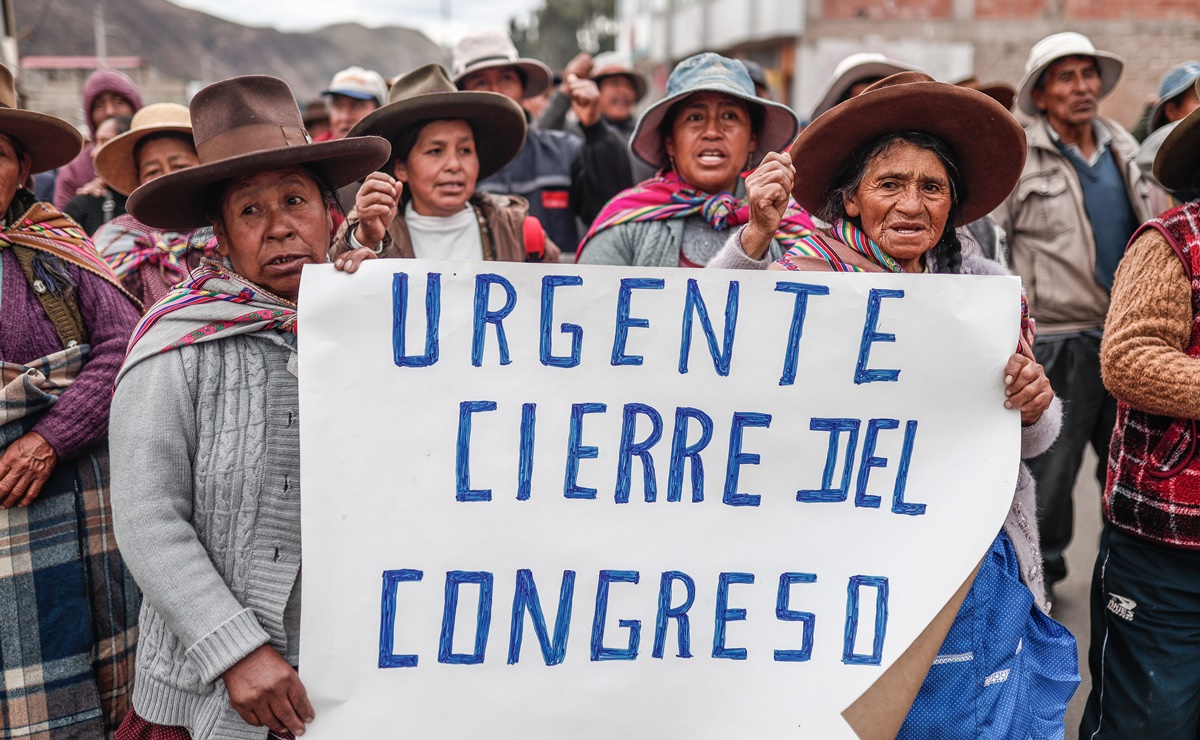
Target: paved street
x=1072, y=606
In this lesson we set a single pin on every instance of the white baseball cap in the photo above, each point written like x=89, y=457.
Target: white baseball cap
x=358, y=83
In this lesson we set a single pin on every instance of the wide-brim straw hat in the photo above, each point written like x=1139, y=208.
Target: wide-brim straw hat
x=487, y=49
x=244, y=126
x=709, y=72
x=988, y=143
x=855, y=68
x=1058, y=46
x=50, y=141
x=1178, y=80
x=114, y=160
x=1002, y=92
x=427, y=94
x=1177, y=163
x=612, y=63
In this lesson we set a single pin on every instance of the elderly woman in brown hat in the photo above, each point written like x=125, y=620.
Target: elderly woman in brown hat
x=703, y=136
x=443, y=142
x=894, y=173
x=205, y=428
x=149, y=261
x=69, y=620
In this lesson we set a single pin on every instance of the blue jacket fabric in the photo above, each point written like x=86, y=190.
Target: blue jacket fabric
x=565, y=178
x=1005, y=670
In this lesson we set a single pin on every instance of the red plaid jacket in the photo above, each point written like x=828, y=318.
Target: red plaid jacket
x=1153, y=488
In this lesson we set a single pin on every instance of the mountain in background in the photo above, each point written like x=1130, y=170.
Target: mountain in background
x=194, y=46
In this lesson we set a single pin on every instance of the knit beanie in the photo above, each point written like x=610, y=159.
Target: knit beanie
x=108, y=80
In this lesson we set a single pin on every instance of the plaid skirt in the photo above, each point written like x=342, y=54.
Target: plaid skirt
x=68, y=611
x=68, y=607
x=136, y=728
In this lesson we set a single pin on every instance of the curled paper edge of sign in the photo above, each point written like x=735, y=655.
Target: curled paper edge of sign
x=881, y=710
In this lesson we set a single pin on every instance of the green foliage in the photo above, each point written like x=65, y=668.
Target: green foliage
x=560, y=29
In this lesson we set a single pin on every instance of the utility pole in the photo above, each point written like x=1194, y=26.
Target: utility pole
x=446, y=24
x=101, y=34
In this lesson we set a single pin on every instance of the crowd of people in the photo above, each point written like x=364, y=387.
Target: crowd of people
x=150, y=537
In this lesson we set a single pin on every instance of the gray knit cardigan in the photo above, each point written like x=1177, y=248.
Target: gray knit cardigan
x=206, y=508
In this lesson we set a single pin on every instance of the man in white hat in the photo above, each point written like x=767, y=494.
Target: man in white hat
x=1079, y=199
x=854, y=74
x=353, y=93
x=562, y=176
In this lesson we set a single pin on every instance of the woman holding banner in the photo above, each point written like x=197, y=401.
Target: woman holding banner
x=894, y=178
x=709, y=129
x=205, y=424
x=444, y=141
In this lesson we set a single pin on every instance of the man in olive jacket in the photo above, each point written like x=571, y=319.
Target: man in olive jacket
x=1079, y=199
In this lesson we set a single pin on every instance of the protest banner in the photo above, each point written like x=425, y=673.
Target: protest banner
x=558, y=501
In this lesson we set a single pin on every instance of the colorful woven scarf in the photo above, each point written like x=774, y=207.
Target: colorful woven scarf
x=812, y=245
x=847, y=233
x=668, y=196
x=167, y=251
x=47, y=230
x=212, y=303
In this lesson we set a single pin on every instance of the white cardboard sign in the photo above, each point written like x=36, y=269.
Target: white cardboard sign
x=612, y=502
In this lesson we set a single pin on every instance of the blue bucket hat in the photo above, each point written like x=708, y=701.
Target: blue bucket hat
x=1175, y=82
x=709, y=72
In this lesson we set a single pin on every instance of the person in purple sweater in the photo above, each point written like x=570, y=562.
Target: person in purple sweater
x=68, y=620
x=107, y=93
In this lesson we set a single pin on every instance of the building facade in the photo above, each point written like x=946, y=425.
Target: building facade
x=800, y=42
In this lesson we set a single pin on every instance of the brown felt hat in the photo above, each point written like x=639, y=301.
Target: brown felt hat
x=427, y=94
x=50, y=141
x=115, y=161
x=244, y=126
x=1001, y=92
x=987, y=141
x=1177, y=164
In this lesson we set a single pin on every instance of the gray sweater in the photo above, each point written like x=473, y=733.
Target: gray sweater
x=206, y=508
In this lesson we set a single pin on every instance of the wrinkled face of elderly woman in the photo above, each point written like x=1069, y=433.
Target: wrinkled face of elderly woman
x=710, y=141
x=271, y=225
x=903, y=202
x=14, y=170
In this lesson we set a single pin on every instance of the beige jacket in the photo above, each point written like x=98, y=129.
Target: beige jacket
x=1049, y=235
x=501, y=227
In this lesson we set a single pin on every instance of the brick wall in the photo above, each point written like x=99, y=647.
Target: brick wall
x=888, y=9
x=1151, y=35
x=992, y=9
x=1146, y=10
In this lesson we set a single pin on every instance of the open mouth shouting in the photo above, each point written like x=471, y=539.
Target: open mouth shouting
x=711, y=157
